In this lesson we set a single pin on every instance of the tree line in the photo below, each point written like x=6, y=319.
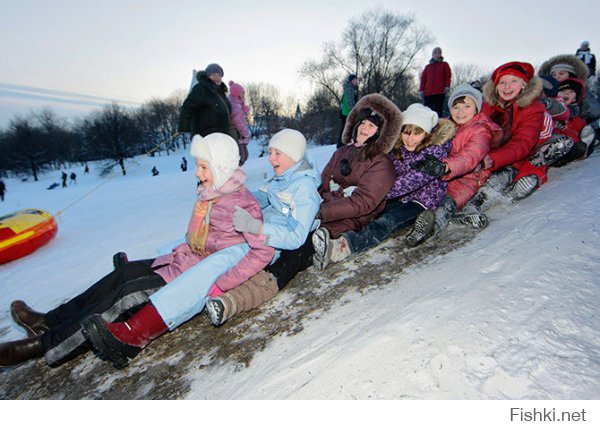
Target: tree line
x=378, y=46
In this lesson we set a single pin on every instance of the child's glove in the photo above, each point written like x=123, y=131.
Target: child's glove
x=430, y=165
x=244, y=222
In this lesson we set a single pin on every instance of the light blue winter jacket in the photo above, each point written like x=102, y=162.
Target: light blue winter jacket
x=290, y=203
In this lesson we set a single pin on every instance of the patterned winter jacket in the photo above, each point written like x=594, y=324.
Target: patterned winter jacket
x=412, y=185
x=221, y=235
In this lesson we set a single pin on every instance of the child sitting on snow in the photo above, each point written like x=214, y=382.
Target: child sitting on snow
x=423, y=139
x=225, y=257
x=462, y=167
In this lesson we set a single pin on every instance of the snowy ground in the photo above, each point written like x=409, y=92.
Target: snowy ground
x=513, y=314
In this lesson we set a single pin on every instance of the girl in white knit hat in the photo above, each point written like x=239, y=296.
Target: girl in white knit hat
x=222, y=258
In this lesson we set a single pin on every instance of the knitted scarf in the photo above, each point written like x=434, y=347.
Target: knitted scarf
x=199, y=225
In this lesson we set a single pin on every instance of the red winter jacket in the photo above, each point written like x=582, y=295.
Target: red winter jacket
x=522, y=122
x=435, y=78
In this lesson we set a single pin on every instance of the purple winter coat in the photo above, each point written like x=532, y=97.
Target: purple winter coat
x=414, y=185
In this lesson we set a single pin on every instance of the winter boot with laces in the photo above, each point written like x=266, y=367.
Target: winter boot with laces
x=524, y=187
x=32, y=321
x=422, y=228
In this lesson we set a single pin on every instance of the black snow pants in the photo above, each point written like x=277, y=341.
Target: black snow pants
x=117, y=296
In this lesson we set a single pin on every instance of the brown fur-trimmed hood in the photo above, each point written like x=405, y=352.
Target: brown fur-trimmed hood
x=443, y=132
x=390, y=131
x=532, y=91
x=581, y=70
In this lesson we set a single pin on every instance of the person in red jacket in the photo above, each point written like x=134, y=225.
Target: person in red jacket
x=511, y=98
x=435, y=82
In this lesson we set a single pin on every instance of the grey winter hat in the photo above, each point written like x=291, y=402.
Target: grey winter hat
x=214, y=68
x=466, y=90
x=563, y=66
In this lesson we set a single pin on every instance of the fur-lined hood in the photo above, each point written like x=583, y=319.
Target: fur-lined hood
x=443, y=132
x=581, y=70
x=390, y=131
x=532, y=91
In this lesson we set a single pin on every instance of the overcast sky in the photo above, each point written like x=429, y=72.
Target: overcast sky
x=74, y=55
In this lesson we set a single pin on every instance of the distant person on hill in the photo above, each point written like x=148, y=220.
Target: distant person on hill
x=73, y=178
x=207, y=109
x=183, y=164
x=585, y=55
x=86, y=170
x=155, y=171
x=140, y=300
x=435, y=82
x=64, y=178
x=349, y=99
x=239, y=113
x=2, y=189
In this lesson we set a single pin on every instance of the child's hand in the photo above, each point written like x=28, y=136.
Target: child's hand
x=244, y=222
x=430, y=165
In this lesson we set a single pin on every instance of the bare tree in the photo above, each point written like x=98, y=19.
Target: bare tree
x=113, y=134
x=25, y=142
x=467, y=73
x=265, y=105
x=379, y=46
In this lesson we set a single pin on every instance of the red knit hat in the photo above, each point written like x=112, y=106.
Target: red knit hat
x=516, y=68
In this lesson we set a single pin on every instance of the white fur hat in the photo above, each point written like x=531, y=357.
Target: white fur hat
x=290, y=142
x=418, y=114
x=220, y=151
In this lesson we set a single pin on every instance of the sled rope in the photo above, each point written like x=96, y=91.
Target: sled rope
x=112, y=176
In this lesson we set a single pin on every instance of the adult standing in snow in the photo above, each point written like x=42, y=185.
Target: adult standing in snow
x=2, y=189
x=349, y=99
x=183, y=164
x=63, y=178
x=206, y=109
x=73, y=177
x=435, y=82
x=585, y=55
x=228, y=258
x=239, y=113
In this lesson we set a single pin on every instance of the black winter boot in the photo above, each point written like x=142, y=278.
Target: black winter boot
x=19, y=351
x=555, y=148
x=119, y=260
x=32, y=321
x=444, y=213
x=422, y=229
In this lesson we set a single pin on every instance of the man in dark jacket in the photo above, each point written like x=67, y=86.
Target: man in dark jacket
x=206, y=109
